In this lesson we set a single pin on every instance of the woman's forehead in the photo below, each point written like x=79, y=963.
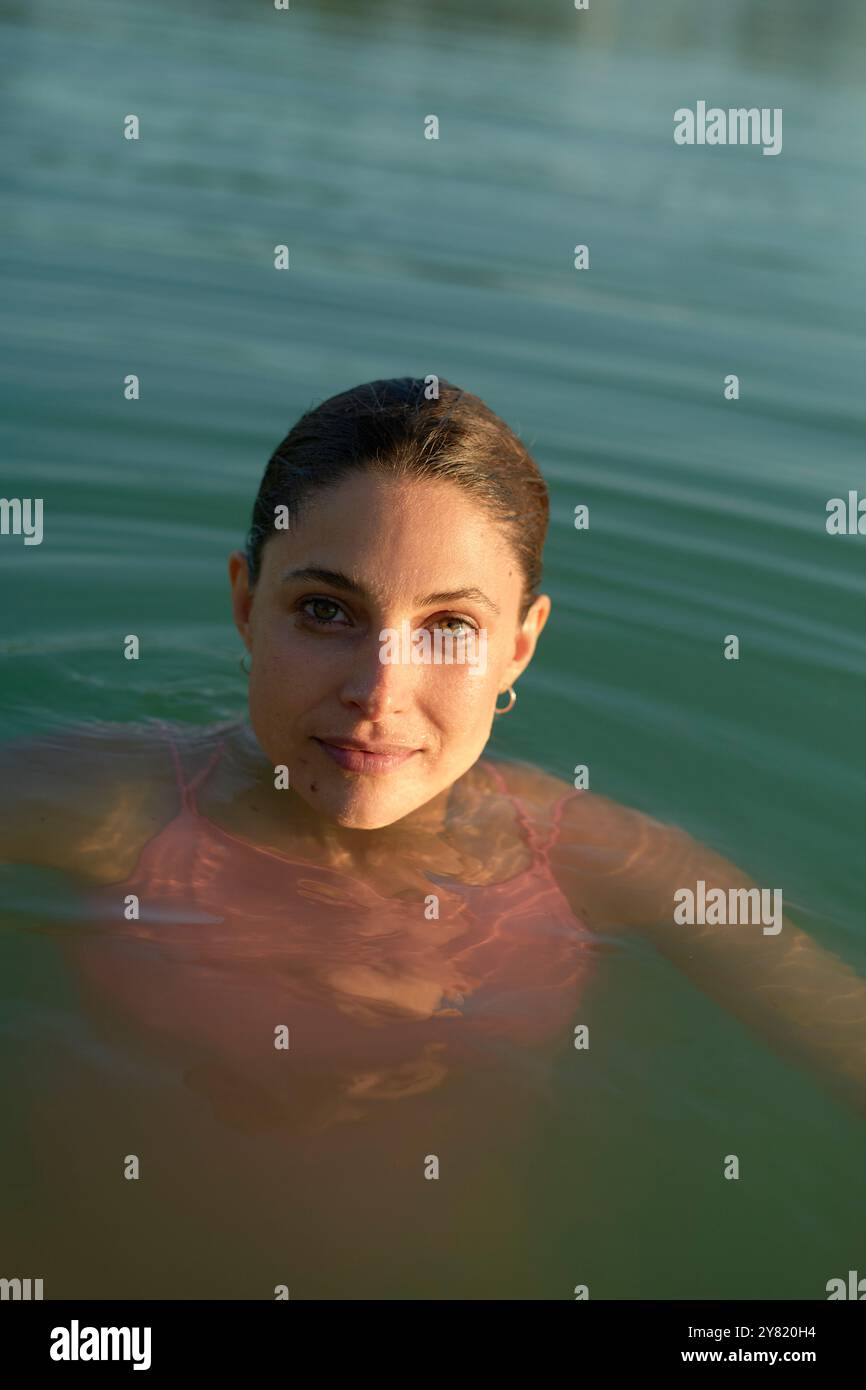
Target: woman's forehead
x=432, y=535
x=391, y=495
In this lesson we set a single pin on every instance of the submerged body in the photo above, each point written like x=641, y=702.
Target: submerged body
x=384, y=981
x=421, y=991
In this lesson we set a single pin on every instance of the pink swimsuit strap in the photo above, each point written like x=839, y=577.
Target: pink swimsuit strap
x=189, y=787
x=538, y=844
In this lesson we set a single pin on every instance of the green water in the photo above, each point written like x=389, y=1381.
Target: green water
x=707, y=516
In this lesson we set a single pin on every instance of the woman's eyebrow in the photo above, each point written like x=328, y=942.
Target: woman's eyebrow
x=338, y=580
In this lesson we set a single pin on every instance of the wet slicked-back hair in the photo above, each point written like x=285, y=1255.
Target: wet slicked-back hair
x=391, y=428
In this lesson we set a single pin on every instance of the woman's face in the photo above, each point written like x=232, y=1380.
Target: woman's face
x=369, y=554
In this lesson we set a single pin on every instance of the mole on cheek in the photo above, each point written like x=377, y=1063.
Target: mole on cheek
x=313, y=787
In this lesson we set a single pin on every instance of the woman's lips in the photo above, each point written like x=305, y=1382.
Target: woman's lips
x=359, y=760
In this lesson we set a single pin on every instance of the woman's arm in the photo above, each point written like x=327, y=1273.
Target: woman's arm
x=623, y=870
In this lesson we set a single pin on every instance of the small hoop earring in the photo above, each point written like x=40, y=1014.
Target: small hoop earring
x=506, y=709
x=245, y=669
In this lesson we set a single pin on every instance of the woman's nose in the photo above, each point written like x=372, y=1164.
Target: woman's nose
x=379, y=687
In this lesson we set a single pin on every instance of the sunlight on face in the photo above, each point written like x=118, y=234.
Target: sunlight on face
x=317, y=677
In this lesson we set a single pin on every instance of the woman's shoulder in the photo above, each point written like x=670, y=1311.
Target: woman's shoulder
x=616, y=862
x=591, y=830
x=544, y=792
x=540, y=790
x=77, y=794
x=102, y=752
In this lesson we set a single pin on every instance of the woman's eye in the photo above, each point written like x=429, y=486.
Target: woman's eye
x=459, y=623
x=324, y=610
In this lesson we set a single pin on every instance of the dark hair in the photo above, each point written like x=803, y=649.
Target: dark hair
x=391, y=427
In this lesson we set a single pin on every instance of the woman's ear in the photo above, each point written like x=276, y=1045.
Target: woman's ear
x=242, y=595
x=527, y=635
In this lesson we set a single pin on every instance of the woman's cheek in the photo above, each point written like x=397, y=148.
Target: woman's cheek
x=474, y=689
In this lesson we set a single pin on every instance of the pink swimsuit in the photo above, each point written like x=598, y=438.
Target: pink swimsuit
x=233, y=940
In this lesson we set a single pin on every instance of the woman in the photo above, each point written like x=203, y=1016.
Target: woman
x=346, y=883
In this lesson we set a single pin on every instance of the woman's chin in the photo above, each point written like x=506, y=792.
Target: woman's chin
x=351, y=802
x=361, y=808
x=370, y=822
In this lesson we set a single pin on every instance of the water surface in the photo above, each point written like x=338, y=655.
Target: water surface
x=454, y=257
